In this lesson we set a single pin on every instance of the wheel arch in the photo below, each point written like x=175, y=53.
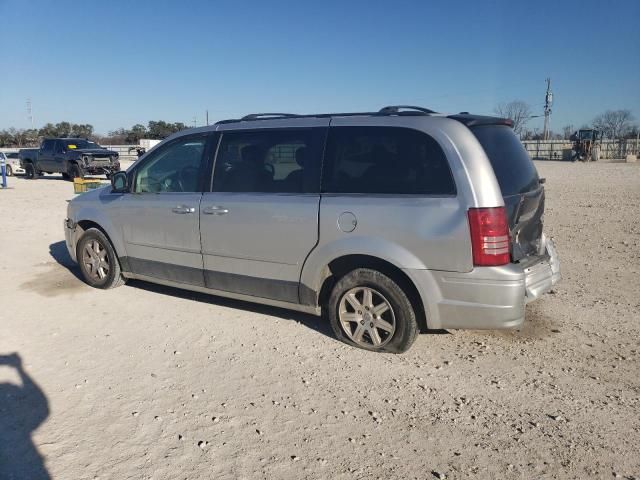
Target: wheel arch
x=87, y=223
x=342, y=265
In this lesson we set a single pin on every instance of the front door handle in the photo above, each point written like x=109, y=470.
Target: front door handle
x=183, y=209
x=215, y=210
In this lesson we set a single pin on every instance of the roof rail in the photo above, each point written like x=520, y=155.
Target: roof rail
x=395, y=110
x=258, y=116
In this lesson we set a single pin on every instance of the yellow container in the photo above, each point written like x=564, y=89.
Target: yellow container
x=81, y=185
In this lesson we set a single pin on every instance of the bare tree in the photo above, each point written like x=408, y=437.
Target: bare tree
x=517, y=111
x=567, y=131
x=614, y=123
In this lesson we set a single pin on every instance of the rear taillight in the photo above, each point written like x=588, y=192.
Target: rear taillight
x=489, y=236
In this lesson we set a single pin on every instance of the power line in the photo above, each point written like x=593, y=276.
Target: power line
x=29, y=112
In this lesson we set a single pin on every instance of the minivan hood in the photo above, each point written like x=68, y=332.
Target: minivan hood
x=91, y=195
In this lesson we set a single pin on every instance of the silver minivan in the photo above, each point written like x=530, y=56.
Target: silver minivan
x=386, y=223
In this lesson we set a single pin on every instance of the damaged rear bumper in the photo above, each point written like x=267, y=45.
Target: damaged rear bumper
x=543, y=274
x=486, y=297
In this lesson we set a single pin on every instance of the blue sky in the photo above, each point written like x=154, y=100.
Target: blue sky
x=117, y=63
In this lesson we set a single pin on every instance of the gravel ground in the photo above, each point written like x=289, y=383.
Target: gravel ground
x=151, y=382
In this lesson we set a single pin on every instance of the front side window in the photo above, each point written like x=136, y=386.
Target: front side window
x=47, y=145
x=385, y=160
x=177, y=167
x=276, y=161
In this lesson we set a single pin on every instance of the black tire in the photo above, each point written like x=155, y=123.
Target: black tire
x=406, y=326
x=113, y=275
x=9, y=170
x=65, y=176
x=30, y=171
x=75, y=171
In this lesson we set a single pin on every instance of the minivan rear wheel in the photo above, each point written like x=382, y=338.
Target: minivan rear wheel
x=369, y=310
x=98, y=260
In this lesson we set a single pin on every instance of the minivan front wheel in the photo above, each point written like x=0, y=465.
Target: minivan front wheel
x=367, y=309
x=98, y=260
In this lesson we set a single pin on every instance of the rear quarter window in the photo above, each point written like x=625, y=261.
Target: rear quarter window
x=511, y=163
x=385, y=160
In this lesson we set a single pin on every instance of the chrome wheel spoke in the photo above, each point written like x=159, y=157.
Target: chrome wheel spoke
x=375, y=337
x=358, y=334
x=367, y=298
x=350, y=317
x=381, y=308
x=353, y=301
x=383, y=325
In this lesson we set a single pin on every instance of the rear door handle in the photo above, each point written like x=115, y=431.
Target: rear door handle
x=183, y=209
x=215, y=210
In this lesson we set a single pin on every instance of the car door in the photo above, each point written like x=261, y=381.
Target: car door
x=260, y=221
x=45, y=155
x=57, y=160
x=160, y=217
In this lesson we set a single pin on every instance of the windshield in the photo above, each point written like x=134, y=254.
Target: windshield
x=80, y=144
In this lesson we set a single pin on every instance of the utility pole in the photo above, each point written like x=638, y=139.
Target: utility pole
x=207, y=115
x=195, y=122
x=548, y=100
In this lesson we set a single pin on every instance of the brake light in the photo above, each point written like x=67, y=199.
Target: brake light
x=489, y=236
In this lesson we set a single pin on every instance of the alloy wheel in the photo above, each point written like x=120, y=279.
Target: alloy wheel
x=366, y=317
x=95, y=260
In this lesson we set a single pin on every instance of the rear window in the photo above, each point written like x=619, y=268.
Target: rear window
x=385, y=160
x=511, y=163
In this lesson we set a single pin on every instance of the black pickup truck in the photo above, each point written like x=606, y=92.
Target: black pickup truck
x=72, y=157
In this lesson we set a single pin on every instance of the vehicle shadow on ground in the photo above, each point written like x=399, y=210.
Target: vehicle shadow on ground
x=23, y=408
x=59, y=253
x=310, y=321
x=42, y=177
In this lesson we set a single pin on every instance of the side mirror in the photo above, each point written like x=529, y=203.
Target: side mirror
x=119, y=182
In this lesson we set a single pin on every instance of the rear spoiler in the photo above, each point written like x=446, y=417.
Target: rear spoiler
x=475, y=120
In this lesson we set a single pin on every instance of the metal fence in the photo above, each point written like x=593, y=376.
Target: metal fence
x=537, y=149
x=561, y=149
x=123, y=151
